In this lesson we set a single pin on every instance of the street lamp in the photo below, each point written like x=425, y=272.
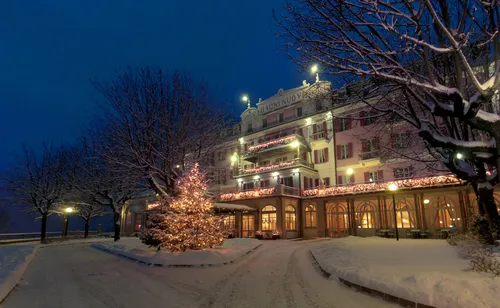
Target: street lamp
x=393, y=187
x=246, y=99
x=67, y=211
x=459, y=155
x=314, y=70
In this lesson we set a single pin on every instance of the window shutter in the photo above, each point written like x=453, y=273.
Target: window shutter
x=316, y=182
x=339, y=180
x=315, y=132
x=325, y=130
x=348, y=123
x=362, y=118
x=310, y=182
x=337, y=125
x=326, y=154
x=367, y=177
x=327, y=181
x=350, y=153
x=352, y=179
x=315, y=156
x=393, y=141
x=363, y=146
x=380, y=175
x=339, y=152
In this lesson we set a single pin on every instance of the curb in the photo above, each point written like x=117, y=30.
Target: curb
x=13, y=280
x=8, y=242
x=172, y=265
x=372, y=292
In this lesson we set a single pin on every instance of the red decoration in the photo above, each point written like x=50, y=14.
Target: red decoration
x=262, y=146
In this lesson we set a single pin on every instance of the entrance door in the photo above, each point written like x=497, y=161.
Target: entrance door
x=337, y=219
x=248, y=226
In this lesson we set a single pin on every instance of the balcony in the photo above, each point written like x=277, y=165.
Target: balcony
x=278, y=190
x=275, y=146
x=275, y=167
x=368, y=155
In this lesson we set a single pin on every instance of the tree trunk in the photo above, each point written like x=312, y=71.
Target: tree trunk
x=117, y=223
x=86, y=234
x=487, y=201
x=44, y=228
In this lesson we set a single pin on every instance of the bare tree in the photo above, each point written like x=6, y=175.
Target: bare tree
x=437, y=62
x=83, y=206
x=160, y=123
x=37, y=182
x=100, y=184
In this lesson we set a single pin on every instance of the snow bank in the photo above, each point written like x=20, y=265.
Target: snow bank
x=14, y=259
x=424, y=271
x=229, y=251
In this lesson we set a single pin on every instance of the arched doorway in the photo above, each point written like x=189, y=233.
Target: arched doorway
x=268, y=220
x=337, y=219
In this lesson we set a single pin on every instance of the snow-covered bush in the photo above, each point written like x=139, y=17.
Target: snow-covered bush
x=485, y=261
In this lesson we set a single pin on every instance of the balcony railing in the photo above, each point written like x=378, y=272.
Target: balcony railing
x=278, y=190
x=275, y=167
x=275, y=144
x=368, y=155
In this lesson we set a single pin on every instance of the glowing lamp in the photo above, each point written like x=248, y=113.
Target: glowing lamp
x=296, y=170
x=275, y=174
x=308, y=121
x=256, y=177
x=294, y=144
x=177, y=166
x=393, y=187
x=459, y=155
x=234, y=158
x=240, y=180
x=68, y=210
x=314, y=69
x=426, y=201
x=349, y=171
x=244, y=98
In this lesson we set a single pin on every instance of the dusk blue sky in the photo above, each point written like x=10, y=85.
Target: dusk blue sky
x=49, y=50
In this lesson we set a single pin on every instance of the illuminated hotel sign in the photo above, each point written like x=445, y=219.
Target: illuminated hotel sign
x=281, y=100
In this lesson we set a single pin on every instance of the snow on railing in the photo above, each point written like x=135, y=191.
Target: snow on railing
x=374, y=187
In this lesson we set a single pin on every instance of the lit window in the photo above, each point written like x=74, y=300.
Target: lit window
x=310, y=217
x=290, y=217
x=365, y=216
x=269, y=218
x=229, y=224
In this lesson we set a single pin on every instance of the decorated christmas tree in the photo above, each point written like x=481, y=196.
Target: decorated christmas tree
x=188, y=221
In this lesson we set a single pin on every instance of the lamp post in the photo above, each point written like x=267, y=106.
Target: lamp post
x=393, y=187
x=314, y=70
x=67, y=211
x=246, y=99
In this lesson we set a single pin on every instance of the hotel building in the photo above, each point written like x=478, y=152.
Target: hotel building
x=308, y=162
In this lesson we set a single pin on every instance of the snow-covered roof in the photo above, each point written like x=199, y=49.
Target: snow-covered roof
x=230, y=206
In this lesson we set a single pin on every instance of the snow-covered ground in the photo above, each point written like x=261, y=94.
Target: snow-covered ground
x=425, y=271
x=229, y=251
x=279, y=274
x=13, y=261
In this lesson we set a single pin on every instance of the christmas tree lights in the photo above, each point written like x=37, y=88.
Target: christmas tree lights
x=188, y=222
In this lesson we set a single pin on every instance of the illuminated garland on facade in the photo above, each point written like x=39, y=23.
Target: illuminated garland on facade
x=262, y=146
x=248, y=194
x=374, y=187
x=434, y=181
x=270, y=167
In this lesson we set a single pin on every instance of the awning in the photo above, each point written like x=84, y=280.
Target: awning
x=230, y=206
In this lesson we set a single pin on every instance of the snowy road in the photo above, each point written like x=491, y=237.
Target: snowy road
x=278, y=274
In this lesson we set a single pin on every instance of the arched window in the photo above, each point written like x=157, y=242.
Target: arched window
x=268, y=218
x=365, y=215
x=404, y=215
x=310, y=216
x=444, y=214
x=337, y=219
x=290, y=218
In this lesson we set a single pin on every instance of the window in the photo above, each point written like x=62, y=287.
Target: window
x=320, y=131
x=321, y=156
x=219, y=176
x=344, y=151
x=290, y=218
x=264, y=163
x=367, y=118
x=343, y=125
x=365, y=216
x=310, y=217
x=403, y=217
x=264, y=123
x=345, y=179
x=316, y=182
x=264, y=183
x=374, y=176
x=268, y=218
x=248, y=227
x=222, y=155
x=249, y=129
x=280, y=117
x=326, y=181
x=137, y=222
x=288, y=181
x=299, y=111
x=369, y=148
x=248, y=186
x=228, y=223
x=403, y=173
